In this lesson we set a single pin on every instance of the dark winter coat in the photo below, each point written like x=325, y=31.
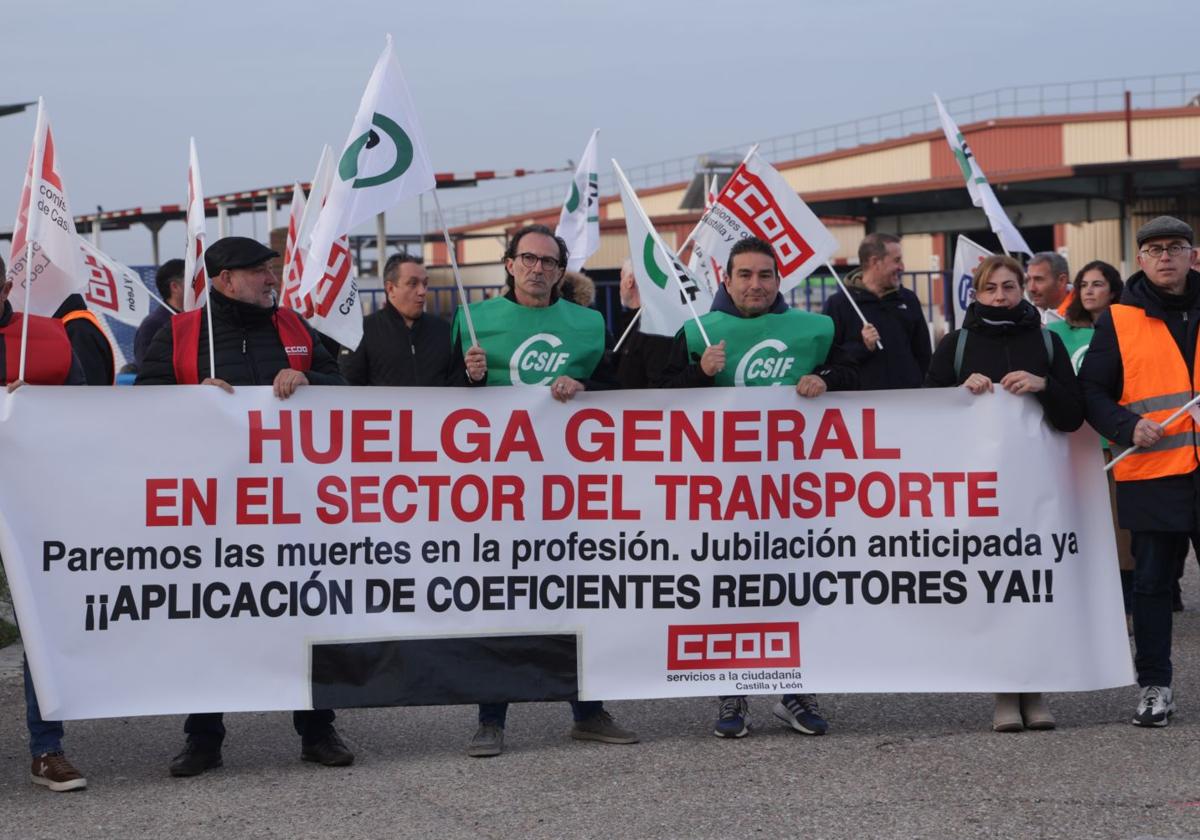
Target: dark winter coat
x=393, y=353
x=247, y=348
x=900, y=320
x=1000, y=341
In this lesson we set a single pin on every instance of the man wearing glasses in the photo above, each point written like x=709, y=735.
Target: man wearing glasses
x=1141, y=367
x=531, y=336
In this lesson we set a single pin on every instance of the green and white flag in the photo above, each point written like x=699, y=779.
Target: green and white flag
x=579, y=221
x=383, y=162
x=979, y=188
x=530, y=345
x=770, y=349
x=665, y=300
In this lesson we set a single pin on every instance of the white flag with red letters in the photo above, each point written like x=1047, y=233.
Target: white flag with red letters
x=195, y=289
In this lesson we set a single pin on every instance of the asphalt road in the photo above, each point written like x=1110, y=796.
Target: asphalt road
x=892, y=766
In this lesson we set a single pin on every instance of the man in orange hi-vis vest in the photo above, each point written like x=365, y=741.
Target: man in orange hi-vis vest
x=1140, y=368
x=254, y=343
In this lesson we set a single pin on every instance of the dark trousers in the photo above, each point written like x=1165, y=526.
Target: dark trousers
x=497, y=713
x=1156, y=557
x=311, y=724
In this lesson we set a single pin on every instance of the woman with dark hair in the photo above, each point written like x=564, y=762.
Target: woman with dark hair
x=1002, y=342
x=1097, y=287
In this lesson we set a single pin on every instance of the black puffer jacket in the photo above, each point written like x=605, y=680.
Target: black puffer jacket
x=247, y=348
x=1158, y=504
x=1000, y=341
x=393, y=353
x=91, y=346
x=900, y=319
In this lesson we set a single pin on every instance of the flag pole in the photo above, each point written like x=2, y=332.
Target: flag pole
x=628, y=330
x=1165, y=423
x=853, y=302
x=462, y=292
x=35, y=178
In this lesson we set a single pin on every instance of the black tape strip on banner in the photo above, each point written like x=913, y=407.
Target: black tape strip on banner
x=432, y=672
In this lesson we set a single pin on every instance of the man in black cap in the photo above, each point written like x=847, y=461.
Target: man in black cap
x=1140, y=368
x=255, y=343
x=169, y=282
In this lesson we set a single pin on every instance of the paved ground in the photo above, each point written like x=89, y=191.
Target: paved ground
x=893, y=766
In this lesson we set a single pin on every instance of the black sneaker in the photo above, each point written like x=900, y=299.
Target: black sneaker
x=487, y=742
x=733, y=718
x=199, y=754
x=327, y=750
x=800, y=711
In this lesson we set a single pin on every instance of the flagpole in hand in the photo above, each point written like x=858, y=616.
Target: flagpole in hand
x=1179, y=413
x=853, y=302
x=462, y=292
x=35, y=184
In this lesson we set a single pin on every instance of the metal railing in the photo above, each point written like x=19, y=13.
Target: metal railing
x=810, y=295
x=1157, y=91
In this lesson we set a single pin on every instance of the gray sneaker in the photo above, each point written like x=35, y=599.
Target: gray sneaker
x=1155, y=706
x=488, y=741
x=601, y=727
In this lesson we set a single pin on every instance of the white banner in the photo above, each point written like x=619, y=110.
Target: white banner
x=682, y=543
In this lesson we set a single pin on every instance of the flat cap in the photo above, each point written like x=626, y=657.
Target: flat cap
x=235, y=252
x=1165, y=227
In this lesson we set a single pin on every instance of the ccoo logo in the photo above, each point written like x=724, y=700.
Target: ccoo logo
x=711, y=646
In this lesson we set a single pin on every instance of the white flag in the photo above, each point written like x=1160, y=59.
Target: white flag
x=47, y=224
x=333, y=308
x=694, y=260
x=664, y=304
x=113, y=289
x=384, y=161
x=967, y=257
x=757, y=201
x=195, y=287
x=979, y=188
x=579, y=221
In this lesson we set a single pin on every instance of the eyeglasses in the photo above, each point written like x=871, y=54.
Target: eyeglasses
x=530, y=260
x=1174, y=250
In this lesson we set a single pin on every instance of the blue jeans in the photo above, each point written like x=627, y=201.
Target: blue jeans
x=497, y=713
x=1156, y=558
x=45, y=736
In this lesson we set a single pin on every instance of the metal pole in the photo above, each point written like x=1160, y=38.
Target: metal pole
x=272, y=206
x=96, y=232
x=222, y=221
x=380, y=244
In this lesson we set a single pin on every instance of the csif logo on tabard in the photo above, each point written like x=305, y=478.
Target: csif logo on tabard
x=750, y=645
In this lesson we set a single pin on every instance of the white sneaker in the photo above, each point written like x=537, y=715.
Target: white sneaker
x=1155, y=707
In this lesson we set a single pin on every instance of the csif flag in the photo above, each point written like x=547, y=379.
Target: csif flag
x=44, y=231
x=979, y=188
x=758, y=201
x=665, y=300
x=195, y=287
x=579, y=221
x=383, y=162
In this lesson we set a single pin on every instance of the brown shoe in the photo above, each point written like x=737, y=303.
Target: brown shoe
x=53, y=771
x=1036, y=712
x=1007, y=717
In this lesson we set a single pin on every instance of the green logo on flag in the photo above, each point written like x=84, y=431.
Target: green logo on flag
x=573, y=201
x=648, y=259
x=348, y=165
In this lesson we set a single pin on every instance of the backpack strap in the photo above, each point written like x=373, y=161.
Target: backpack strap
x=960, y=347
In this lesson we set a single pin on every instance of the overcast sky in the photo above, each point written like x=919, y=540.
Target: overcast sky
x=262, y=84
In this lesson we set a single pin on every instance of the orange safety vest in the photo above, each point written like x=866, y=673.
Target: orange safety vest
x=1156, y=385
x=90, y=317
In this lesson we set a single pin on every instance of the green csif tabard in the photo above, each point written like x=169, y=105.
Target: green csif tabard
x=528, y=345
x=770, y=349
